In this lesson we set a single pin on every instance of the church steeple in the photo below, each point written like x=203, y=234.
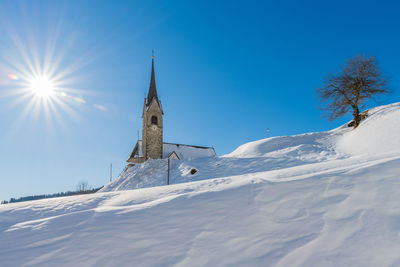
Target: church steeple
x=152, y=135
x=152, y=90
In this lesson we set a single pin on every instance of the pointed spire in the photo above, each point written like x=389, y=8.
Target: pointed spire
x=152, y=90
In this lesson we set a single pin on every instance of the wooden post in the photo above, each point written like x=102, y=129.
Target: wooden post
x=168, y=170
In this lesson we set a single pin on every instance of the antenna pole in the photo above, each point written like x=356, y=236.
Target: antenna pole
x=110, y=172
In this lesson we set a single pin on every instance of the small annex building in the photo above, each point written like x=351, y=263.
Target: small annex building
x=175, y=151
x=152, y=144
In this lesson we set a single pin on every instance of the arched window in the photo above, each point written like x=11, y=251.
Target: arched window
x=154, y=120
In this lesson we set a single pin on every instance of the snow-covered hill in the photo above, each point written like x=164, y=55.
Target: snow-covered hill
x=317, y=199
x=377, y=135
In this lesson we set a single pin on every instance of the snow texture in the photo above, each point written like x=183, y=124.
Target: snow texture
x=317, y=199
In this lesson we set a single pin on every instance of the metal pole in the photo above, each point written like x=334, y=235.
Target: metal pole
x=168, y=171
x=110, y=172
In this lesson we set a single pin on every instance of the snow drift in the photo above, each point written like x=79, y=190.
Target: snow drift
x=318, y=199
x=378, y=134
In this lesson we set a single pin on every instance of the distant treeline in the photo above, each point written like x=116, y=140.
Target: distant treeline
x=61, y=194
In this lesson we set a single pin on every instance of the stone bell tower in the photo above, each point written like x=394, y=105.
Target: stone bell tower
x=152, y=135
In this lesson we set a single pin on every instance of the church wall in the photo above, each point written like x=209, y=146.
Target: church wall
x=153, y=134
x=154, y=143
x=137, y=160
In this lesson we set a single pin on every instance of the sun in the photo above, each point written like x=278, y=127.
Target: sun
x=42, y=86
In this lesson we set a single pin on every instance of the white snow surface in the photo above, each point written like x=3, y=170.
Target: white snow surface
x=317, y=199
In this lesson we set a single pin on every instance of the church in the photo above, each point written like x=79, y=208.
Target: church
x=152, y=145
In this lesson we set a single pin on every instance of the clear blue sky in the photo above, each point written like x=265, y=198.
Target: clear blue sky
x=225, y=72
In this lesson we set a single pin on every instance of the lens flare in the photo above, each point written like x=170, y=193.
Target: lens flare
x=77, y=99
x=13, y=77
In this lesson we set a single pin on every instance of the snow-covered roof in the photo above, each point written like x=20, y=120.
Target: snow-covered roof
x=183, y=151
x=187, y=151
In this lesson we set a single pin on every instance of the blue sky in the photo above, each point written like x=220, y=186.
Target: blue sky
x=225, y=72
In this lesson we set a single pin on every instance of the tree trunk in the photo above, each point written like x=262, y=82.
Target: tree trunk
x=356, y=116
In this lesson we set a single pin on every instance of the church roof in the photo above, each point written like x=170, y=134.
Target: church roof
x=187, y=151
x=182, y=151
x=152, y=90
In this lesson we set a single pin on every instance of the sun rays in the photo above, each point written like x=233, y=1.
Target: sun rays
x=38, y=81
x=47, y=72
x=41, y=93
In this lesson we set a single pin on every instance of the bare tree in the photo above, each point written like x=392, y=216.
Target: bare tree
x=359, y=80
x=83, y=186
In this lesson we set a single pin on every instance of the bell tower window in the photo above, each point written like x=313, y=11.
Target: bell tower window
x=154, y=120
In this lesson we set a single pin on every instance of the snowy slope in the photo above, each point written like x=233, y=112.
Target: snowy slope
x=264, y=155
x=376, y=135
x=379, y=134
x=306, y=200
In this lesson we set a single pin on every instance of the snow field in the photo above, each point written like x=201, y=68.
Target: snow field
x=318, y=199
